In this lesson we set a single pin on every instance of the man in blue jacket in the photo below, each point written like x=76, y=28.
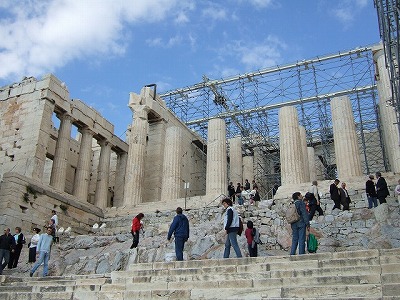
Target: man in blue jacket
x=299, y=227
x=43, y=249
x=180, y=229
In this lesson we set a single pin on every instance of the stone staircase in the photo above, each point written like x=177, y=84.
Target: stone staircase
x=368, y=274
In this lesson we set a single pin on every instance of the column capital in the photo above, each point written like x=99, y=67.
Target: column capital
x=103, y=142
x=64, y=116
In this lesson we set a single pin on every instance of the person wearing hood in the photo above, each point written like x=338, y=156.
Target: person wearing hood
x=180, y=229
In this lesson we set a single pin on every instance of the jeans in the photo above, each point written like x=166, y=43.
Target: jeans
x=298, y=238
x=231, y=239
x=6, y=255
x=179, y=244
x=252, y=251
x=240, y=200
x=44, y=257
x=372, y=200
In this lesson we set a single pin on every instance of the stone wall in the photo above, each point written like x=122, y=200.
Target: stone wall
x=28, y=203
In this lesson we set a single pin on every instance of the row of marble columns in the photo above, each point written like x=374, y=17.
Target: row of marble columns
x=83, y=169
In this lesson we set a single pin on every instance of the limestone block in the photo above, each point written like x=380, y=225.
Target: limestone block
x=4, y=94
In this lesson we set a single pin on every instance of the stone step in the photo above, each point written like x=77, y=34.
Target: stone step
x=37, y=295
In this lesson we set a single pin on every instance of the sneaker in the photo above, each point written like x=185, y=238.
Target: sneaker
x=30, y=274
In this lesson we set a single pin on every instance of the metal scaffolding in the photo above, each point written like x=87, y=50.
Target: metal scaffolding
x=249, y=103
x=389, y=27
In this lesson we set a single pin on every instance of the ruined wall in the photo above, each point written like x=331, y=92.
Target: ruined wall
x=28, y=203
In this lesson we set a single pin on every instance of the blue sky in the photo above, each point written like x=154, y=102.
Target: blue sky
x=104, y=49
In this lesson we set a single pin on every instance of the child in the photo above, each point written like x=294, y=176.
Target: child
x=253, y=238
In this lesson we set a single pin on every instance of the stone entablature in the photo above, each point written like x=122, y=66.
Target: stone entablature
x=30, y=145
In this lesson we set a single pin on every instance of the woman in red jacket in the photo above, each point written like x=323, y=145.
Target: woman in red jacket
x=136, y=225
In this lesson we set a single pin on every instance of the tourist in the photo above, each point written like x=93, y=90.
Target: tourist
x=315, y=205
x=371, y=192
x=252, y=236
x=231, y=226
x=52, y=226
x=7, y=245
x=335, y=194
x=136, y=225
x=231, y=191
x=55, y=218
x=397, y=189
x=43, y=250
x=382, y=190
x=344, y=197
x=254, y=184
x=19, y=243
x=180, y=229
x=239, y=196
x=299, y=227
x=246, y=185
x=256, y=197
x=33, y=244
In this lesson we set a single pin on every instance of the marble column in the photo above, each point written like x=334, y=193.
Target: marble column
x=347, y=152
x=122, y=159
x=303, y=139
x=387, y=112
x=82, y=176
x=60, y=161
x=236, y=160
x=248, y=168
x=216, y=174
x=172, y=183
x=291, y=153
x=311, y=163
x=134, y=177
x=103, y=171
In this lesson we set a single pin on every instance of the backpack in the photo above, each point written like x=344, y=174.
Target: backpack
x=292, y=216
x=312, y=243
x=256, y=236
x=240, y=226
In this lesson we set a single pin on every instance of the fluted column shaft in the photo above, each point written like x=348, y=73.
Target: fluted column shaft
x=82, y=177
x=172, y=167
x=101, y=194
x=303, y=138
x=291, y=154
x=311, y=163
x=347, y=152
x=387, y=113
x=248, y=168
x=60, y=162
x=236, y=160
x=134, y=178
x=216, y=175
x=122, y=159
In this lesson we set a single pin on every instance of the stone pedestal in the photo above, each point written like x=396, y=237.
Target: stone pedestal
x=387, y=113
x=172, y=183
x=60, y=161
x=291, y=153
x=134, y=177
x=346, y=142
x=236, y=160
x=122, y=159
x=82, y=177
x=303, y=138
x=216, y=175
x=101, y=194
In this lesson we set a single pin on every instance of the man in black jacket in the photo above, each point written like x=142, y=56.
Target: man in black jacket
x=19, y=243
x=382, y=190
x=335, y=195
x=7, y=245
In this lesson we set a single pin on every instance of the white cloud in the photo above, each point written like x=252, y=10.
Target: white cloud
x=346, y=11
x=159, y=42
x=257, y=55
x=38, y=36
x=215, y=12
